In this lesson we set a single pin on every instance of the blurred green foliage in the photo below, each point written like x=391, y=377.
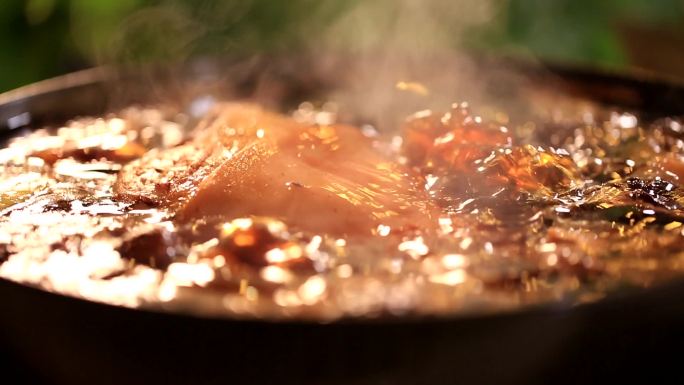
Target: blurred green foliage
x=43, y=38
x=590, y=31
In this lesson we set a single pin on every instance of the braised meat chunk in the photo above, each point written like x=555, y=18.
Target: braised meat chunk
x=245, y=161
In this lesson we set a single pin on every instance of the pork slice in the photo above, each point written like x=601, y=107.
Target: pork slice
x=245, y=161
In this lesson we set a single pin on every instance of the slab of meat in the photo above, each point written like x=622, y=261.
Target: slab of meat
x=245, y=161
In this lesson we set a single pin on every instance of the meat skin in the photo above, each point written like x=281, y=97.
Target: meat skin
x=246, y=161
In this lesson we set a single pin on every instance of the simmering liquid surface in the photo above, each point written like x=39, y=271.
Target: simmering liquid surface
x=252, y=213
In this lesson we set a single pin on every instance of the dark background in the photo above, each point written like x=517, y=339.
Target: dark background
x=44, y=38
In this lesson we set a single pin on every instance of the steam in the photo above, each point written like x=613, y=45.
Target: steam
x=410, y=42
x=367, y=47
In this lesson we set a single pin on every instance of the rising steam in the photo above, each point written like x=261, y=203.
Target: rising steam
x=371, y=46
